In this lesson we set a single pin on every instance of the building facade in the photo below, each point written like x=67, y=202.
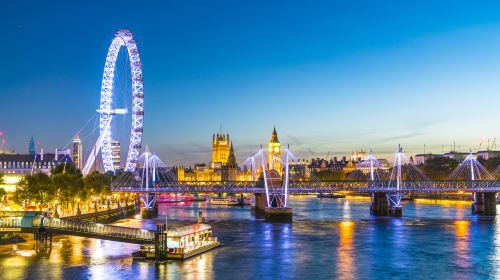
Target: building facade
x=16, y=166
x=223, y=166
x=78, y=152
x=115, y=155
x=274, y=153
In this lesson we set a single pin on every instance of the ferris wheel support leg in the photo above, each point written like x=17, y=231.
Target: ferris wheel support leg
x=95, y=150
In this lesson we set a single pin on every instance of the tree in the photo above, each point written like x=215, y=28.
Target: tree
x=34, y=188
x=67, y=184
x=491, y=164
x=438, y=168
x=327, y=175
x=2, y=190
x=97, y=185
x=22, y=194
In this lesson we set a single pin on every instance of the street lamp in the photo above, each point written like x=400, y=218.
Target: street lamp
x=78, y=211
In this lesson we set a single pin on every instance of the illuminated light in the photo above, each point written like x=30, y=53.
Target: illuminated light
x=346, y=223
x=462, y=223
x=26, y=253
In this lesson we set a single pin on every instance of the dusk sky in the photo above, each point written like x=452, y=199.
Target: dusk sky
x=331, y=76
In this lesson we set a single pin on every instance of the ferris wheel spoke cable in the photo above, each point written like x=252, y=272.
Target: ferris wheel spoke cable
x=79, y=131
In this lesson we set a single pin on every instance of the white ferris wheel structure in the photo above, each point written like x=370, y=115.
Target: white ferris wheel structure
x=123, y=38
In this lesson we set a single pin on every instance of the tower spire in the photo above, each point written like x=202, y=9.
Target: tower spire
x=274, y=136
x=32, y=147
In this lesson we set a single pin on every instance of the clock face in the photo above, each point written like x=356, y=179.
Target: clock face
x=276, y=149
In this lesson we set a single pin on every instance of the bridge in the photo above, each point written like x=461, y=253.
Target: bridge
x=272, y=189
x=38, y=223
x=318, y=187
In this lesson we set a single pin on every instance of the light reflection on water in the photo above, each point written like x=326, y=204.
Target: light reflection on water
x=329, y=238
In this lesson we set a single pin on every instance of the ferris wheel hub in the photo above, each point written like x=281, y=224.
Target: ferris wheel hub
x=113, y=111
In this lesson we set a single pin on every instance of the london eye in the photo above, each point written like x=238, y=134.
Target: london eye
x=110, y=108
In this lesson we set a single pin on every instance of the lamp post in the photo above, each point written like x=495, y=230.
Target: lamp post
x=78, y=210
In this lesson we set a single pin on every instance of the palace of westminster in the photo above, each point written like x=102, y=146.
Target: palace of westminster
x=223, y=166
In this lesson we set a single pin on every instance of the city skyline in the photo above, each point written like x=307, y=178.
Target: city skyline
x=329, y=83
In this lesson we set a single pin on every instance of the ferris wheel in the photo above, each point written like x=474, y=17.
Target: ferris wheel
x=107, y=109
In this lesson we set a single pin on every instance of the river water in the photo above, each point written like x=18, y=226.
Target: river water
x=329, y=238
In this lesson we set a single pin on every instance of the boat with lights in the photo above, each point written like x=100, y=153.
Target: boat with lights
x=182, y=243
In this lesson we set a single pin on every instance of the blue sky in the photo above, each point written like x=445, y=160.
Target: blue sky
x=332, y=76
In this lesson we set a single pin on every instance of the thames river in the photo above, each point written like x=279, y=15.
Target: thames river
x=329, y=238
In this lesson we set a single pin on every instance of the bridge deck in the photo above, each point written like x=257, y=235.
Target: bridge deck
x=321, y=186
x=75, y=228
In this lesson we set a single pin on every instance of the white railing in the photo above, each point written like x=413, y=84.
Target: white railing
x=96, y=228
x=10, y=222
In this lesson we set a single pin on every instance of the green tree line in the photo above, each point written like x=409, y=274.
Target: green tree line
x=65, y=187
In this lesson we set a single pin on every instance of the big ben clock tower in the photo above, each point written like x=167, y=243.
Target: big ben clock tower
x=274, y=151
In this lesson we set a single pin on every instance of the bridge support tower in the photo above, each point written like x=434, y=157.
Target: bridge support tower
x=484, y=203
x=273, y=203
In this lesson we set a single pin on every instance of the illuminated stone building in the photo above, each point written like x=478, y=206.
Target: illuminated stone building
x=221, y=145
x=358, y=155
x=16, y=166
x=381, y=165
x=223, y=166
x=274, y=153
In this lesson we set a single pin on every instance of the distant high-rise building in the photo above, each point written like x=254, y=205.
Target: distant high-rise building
x=115, y=155
x=32, y=147
x=78, y=152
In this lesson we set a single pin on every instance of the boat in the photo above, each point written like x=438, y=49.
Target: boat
x=145, y=252
x=182, y=243
x=223, y=201
x=179, y=198
x=407, y=198
x=331, y=195
x=248, y=200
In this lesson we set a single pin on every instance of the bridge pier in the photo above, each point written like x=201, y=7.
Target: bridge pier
x=43, y=241
x=278, y=214
x=383, y=206
x=149, y=212
x=395, y=210
x=260, y=204
x=484, y=203
x=149, y=207
x=379, y=206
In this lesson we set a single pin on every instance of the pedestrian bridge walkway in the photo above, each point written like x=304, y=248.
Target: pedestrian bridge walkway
x=33, y=223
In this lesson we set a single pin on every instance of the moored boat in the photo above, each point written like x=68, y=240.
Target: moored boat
x=331, y=195
x=230, y=201
x=182, y=243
